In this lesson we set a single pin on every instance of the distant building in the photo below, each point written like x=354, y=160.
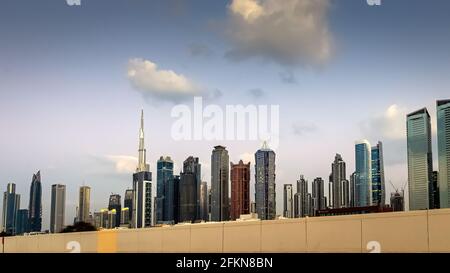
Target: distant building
x=378, y=184
x=265, y=192
x=352, y=190
x=220, y=210
x=302, y=203
x=443, y=135
x=363, y=174
x=288, y=204
x=128, y=202
x=338, y=174
x=164, y=189
x=142, y=186
x=420, y=160
x=434, y=191
x=22, y=222
x=84, y=204
x=204, y=202
x=318, y=194
x=187, y=197
x=240, y=189
x=397, y=201
x=112, y=219
x=11, y=205
x=345, y=186
x=352, y=211
x=115, y=203
x=176, y=199
x=58, y=208
x=125, y=217
x=35, y=203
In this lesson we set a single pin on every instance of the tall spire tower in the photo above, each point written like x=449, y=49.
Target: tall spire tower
x=142, y=163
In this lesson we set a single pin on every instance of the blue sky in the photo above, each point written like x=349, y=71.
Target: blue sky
x=69, y=108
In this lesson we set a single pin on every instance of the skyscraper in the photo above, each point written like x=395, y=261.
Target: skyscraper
x=176, y=198
x=164, y=189
x=420, y=161
x=397, y=201
x=115, y=203
x=204, y=202
x=240, y=189
x=84, y=204
x=35, y=203
x=378, y=185
x=301, y=205
x=363, y=173
x=128, y=202
x=220, y=210
x=345, y=186
x=338, y=174
x=142, y=186
x=265, y=183
x=352, y=190
x=192, y=165
x=187, y=193
x=22, y=222
x=318, y=194
x=11, y=205
x=434, y=191
x=288, y=203
x=125, y=217
x=58, y=208
x=443, y=132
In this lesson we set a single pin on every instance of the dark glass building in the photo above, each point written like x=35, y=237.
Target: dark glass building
x=220, y=204
x=164, y=190
x=265, y=183
x=378, y=185
x=35, y=204
x=11, y=205
x=22, y=222
x=115, y=203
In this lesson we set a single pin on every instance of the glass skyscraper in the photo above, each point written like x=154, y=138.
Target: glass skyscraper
x=220, y=203
x=58, y=208
x=35, y=203
x=338, y=175
x=115, y=203
x=11, y=205
x=164, y=190
x=378, y=185
x=265, y=183
x=288, y=202
x=420, y=162
x=22, y=222
x=363, y=173
x=443, y=132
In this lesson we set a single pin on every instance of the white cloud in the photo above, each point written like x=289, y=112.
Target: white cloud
x=123, y=163
x=389, y=125
x=288, y=32
x=146, y=77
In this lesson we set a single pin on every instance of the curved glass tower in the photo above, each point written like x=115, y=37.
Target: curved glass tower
x=35, y=205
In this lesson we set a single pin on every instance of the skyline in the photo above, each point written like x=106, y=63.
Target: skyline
x=77, y=125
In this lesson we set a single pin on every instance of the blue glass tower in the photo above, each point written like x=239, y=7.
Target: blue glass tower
x=443, y=131
x=378, y=185
x=363, y=174
x=164, y=190
x=35, y=204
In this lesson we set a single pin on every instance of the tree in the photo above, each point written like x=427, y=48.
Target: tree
x=79, y=227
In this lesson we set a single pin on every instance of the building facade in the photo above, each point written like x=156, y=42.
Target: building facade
x=11, y=206
x=58, y=208
x=220, y=210
x=240, y=189
x=115, y=203
x=84, y=204
x=164, y=192
x=338, y=174
x=265, y=194
x=378, y=184
x=363, y=174
x=443, y=132
x=288, y=201
x=420, y=161
x=35, y=203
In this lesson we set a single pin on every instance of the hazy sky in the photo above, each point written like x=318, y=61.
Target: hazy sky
x=74, y=78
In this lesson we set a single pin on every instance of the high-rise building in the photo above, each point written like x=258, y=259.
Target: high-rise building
x=318, y=194
x=338, y=174
x=112, y=219
x=345, y=186
x=58, y=208
x=220, y=210
x=125, y=217
x=434, y=191
x=378, y=185
x=142, y=186
x=240, y=189
x=352, y=190
x=302, y=205
x=176, y=198
x=420, y=161
x=397, y=201
x=84, y=204
x=443, y=132
x=288, y=204
x=363, y=173
x=192, y=165
x=115, y=203
x=164, y=189
x=204, y=202
x=265, y=183
x=187, y=197
x=35, y=203
x=298, y=205
x=11, y=206
x=128, y=202
x=22, y=222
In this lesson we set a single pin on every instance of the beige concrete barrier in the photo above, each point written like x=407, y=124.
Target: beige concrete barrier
x=417, y=231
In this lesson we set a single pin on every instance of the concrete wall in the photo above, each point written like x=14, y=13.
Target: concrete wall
x=418, y=231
